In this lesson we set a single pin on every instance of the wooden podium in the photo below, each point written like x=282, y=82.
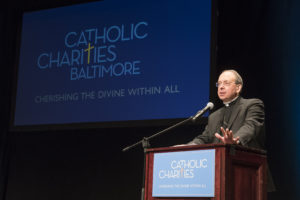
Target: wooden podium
x=240, y=173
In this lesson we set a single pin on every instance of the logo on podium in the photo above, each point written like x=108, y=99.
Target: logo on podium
x=184, y=174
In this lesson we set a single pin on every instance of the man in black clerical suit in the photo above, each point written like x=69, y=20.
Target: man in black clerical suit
x=239, y=121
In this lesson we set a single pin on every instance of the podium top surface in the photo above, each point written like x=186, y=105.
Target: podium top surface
x=206, y=146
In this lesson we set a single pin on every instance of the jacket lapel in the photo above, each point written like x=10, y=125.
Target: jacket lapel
x=235, y=111
x=219, y=121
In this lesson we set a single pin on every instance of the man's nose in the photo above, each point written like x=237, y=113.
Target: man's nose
x=221, y=87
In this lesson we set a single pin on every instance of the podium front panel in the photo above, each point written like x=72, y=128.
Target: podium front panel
x=184, y=174
x=239, y=172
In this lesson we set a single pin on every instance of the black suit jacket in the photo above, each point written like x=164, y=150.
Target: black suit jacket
x=246, y=121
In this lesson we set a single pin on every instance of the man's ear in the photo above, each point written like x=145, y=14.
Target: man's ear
x=238, y=88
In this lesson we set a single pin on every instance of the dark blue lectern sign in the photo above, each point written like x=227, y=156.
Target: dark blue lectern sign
x=184, y=174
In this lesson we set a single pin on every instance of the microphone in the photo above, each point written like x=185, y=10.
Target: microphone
x=209, y=105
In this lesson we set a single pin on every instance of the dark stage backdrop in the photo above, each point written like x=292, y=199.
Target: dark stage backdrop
x=259, y=37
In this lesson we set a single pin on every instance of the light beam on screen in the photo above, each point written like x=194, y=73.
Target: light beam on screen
x=292, y=85
x=292, y=119
x=113, y=61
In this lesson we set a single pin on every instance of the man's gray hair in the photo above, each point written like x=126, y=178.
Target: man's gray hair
x=238, y=78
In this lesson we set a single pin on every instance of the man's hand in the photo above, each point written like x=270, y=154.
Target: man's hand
x=228, y=137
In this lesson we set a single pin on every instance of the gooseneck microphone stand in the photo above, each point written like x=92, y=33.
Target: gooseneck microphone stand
x=145, y=144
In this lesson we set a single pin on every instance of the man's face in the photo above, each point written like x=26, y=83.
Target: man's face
x=227, y=88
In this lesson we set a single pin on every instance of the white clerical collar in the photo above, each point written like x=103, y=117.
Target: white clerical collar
x=228, y=102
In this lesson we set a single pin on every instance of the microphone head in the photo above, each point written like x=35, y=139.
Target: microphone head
x=210, y=105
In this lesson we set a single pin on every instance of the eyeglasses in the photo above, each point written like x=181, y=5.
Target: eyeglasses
x=225, y=83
